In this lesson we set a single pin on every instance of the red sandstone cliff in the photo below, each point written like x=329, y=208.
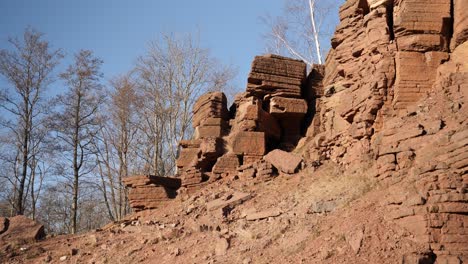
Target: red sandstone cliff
x=364, y=160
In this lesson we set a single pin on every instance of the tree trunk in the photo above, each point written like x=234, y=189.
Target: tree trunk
x=25, y=146
x=314, y=30
x=76, y=166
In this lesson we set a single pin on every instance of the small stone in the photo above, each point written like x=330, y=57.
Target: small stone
x=221, y=247
x=63, y=258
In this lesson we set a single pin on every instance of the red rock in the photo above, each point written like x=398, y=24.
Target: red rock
x=187, y=157
x=263, y=214
x=191, y=176
x=284, y=161
x=249, y=159
x=147, y=192
x=460, y=28
x=143, y=180
x=248, y=143
x=415, y=75
x=3, y=224
x=411, y=16
x=210, y=105
x=247, y=173
x=234, y=199
x=208, y=131
x=276, y=75
x=21, y=230
x=227, y=163
x=288, y=106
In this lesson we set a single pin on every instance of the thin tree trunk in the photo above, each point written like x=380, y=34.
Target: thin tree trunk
x=76, y=166
x=314, y=30
x=19, y=199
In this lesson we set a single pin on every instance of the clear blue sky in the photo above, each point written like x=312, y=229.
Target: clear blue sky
x=118, y=30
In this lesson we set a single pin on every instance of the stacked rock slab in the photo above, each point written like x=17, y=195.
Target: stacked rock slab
x=148, y=192
x=269, y=114
x=277, y=83
x=210, y=123
x=210, y=115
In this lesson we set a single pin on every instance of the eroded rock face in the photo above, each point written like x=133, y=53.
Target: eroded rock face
x=395, y=89
x=268, y=115
x=392, y=95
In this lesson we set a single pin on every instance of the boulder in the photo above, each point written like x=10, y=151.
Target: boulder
x=284, y=161
x=21, y=230
x=4, y=222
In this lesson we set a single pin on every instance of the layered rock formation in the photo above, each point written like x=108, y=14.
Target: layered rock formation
x=268, y=115
x=232, y=143
x=147, y=192
x=395, y=89
x=391, y=96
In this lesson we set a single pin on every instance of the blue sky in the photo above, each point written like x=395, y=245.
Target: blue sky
x=118, y=30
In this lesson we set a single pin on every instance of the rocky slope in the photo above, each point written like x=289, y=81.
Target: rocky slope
x=364, y=160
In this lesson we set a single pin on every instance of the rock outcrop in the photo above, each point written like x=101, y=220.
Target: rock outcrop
x=395, y=87
x=391, y=96
x=269, y=115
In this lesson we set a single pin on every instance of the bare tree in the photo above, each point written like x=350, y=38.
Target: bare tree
x=76, y=122
x=28, y=68
x=171, y=76
x=116, y=145
x=301, y=28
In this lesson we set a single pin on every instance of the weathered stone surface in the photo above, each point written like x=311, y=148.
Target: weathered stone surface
x=146, y=191
x=251, y=117
x=460, y=28
x=227, y=163
x=222, y=246
x=249, y=143
x=187, y=157
x=143, y=180
x=276, y=76
x=274, y=212
x=355, y=238
x=415, y=75
x=232, y=200
x=321, y=207
x=210, y=105
x=413, y=16
x=208, y=131
x=249, y=159
x=284, y=161
x=21, y=230
x=288, y=106
x=191, y=176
